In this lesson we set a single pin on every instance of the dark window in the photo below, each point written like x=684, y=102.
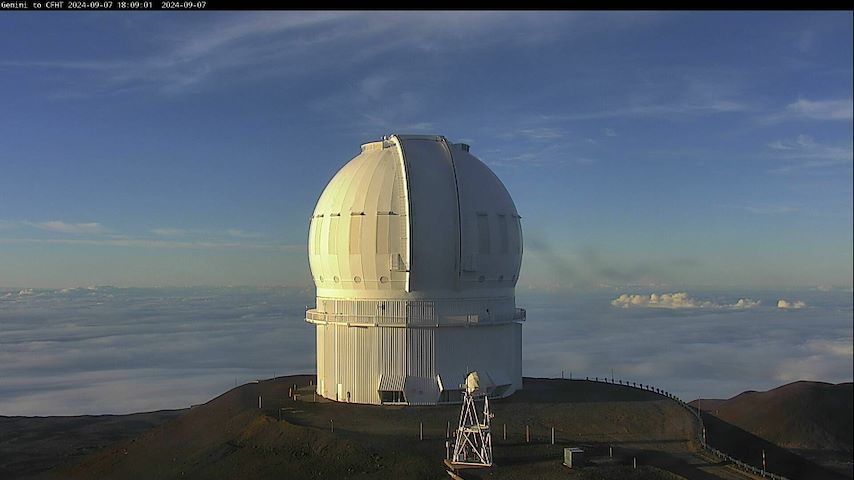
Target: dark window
x=451, y=396
x=392, y=396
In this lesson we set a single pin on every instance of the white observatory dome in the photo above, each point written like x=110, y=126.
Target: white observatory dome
x=415, y=216
x=415, y=237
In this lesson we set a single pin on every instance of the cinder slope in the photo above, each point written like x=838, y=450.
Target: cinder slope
x=34, y=444
x=230, y=437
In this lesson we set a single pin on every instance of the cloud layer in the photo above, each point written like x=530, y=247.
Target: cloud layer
x=97, y=350
x=693, y=352
x=117, y=350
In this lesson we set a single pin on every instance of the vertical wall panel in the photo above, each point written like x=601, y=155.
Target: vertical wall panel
x=483, y=234
x=357, y=357
x=355, y=234
x=502, y=227
x=332, y=238
x=383, y=235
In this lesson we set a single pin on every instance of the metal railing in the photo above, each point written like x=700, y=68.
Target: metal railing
x=701, y=433
x=412, y=320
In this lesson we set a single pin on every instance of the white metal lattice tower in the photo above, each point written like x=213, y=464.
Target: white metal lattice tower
x=474, y=438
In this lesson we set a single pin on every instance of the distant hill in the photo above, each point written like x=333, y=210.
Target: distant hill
x=799, y=415
x=811, y=419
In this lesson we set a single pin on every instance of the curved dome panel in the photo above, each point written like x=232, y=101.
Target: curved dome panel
x=415, y=216
x=359, y=226
x=434, y=214
x=491, y=230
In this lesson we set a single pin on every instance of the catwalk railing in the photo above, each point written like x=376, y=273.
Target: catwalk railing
x=701, y=433
x=412, y=320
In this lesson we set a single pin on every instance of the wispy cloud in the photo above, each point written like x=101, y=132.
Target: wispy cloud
x=155, y=243
x=169, y=232
x=822, y=109
x=804, y=146
x=676, y=301
x=699, y=107
x=549, y=156
x=185, y=232
x=803, y=109
x=312, y=40
x=73, y=228
x=204, y=49
x=543, y=133
x=770, y=209
x=211, y=38
x=805, y=41
x=538, y=149
x=235, y=232
x=803, y=152
x=164, y=237
x=376, y=85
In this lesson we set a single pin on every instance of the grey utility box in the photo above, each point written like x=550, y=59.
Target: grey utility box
x=573, y=456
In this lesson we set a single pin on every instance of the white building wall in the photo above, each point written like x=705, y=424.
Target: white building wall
x=358, y=357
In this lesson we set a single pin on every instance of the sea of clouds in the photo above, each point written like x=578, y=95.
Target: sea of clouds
x=102, y=350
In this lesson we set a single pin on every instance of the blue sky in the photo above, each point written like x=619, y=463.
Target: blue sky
x=666, y=149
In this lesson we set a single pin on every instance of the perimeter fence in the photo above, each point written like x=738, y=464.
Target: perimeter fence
x=701, y=432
